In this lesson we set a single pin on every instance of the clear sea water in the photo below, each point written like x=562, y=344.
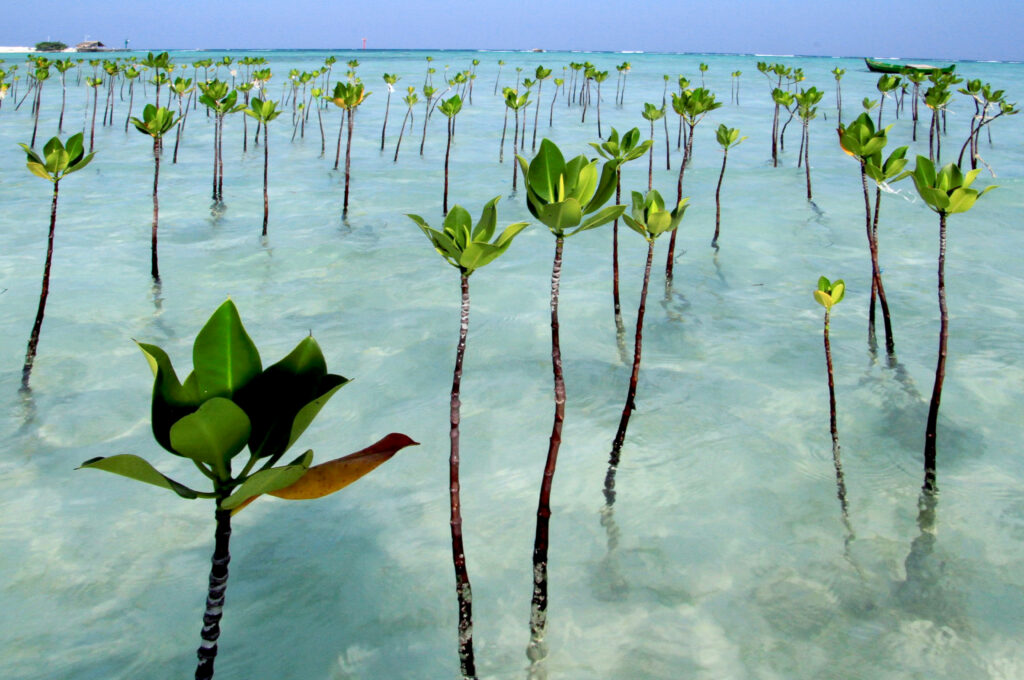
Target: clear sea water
x=732, y=558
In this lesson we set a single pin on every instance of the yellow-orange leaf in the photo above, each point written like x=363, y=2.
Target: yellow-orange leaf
x=326, y=478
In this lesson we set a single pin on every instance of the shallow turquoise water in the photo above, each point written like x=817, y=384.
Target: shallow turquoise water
x=732, y=559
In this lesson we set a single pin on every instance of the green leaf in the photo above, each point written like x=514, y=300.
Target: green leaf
x=605, y=216
x=544, y=171
x=134, y=467
x=223, y=355
x=561, y=215
x=214, y=434
x=171, y=400
x=266, y=481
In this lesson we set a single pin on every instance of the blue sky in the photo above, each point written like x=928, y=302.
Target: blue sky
x=946, y=29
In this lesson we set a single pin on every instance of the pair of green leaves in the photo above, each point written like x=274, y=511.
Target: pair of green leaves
x=560, y=193
x=728, y=137
x=59, y=159
x=829, y=294
x=349, y=95
x=450, y=107
x=947, y=190
x=650, y=219
x=467, y=247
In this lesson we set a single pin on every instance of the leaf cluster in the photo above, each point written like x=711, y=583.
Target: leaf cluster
x=947, y=190
x=465, y=246
x=829, y=294
x=59, y=159
x=650, y=219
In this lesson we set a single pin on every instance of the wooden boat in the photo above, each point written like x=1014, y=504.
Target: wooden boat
x=890, y=67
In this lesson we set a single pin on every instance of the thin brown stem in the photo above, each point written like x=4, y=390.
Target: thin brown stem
x=33, y=342
x=207, y=651
x=930, y=485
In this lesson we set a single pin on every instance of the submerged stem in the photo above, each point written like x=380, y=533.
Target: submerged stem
x=207, y=651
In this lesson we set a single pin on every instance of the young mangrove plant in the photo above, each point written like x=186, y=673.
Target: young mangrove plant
x=628, y=148
x=828, y=295
x=264, y=112
x=94, y=83
x=155, y=122
x=650, y=219
x=410, y=99
x=946, y=191
x=389, y=80
x=695, y=105
x=886, y=84
x=651, y=113
x=450, y=108
x=229, y=401
x=838, y=74
x=467, y=248
x=516, y=102
x=181, y=87
x=57, y=162
x=861, y=141
x=63, y=66
x=807, y=108
x=727, y=138
x=221, y=103
x=348, y=97
x=985, y=98
x=542, y=75
x=566, y=196
x=42, y=74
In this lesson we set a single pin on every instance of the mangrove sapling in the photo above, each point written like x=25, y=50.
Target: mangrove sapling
x=861, y=141
x=946, y=192
x=542, y=75
x=567, y=198
x=467, y=248
x=559, y=82
x=650, y=219
x=155, y=122
x=985, y=99
x=695, y=105
x=450, y=108
x=349, y=96
x=221, y=102
x=94, y=83
x=936, y=98
x=516, y=102
x=264, y=112
x=651, y=113
x=703, y=69
x=807, y=108
x=916, y=78
x=727, y=138
x=389, y=80
x=838, y=73
x=886, y=84
x=428, y=100
x=63, y=66
x=229, y=401
x=317, y=95
x=245, y=89
x=629, y=148
x=181, y=87
x=41, y=75
x=497, y=79
x=600, y=77
x=57, y=162
x=736, y=91
x=410, y=100
x=130, y=75
x=828, y=295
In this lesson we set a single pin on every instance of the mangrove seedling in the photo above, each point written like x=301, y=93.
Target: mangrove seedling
x=651, y=113
x=838, y=73
x=229, y=401
x=57, y=162
x=221, y=102
x=650, y=219
x=450, y=108
x=348, y=96
x=807, y=108
x=628, y=148
x=946, y=191
x=886, y=84
x=389, y=80
x=467, y=248
x=410, y=99
x=264, y=112
x=727, y=138
x=155, y=122
x=566, y=196
x=542, y=75
x=861, y=141
x=828, y=295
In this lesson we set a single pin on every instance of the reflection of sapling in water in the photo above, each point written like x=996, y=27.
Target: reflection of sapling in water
x=229, y=401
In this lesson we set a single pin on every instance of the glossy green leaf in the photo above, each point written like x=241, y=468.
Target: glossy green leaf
x=139, y=469
x=545, y=170
x=213, y=434
x=223, y=355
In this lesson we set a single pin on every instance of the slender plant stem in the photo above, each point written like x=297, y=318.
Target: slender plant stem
x=154, y=266
x=33, y=342
x=266, y=165
x=539, y=602
x=463, y=589
x=718, y=199
x=384, y=128
x=630, y=406
x=836, y=460
x=890, y=345
x=930, y=485
x=348, y=158
x=615, y=249
x=447, y=155
x=207, y=651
